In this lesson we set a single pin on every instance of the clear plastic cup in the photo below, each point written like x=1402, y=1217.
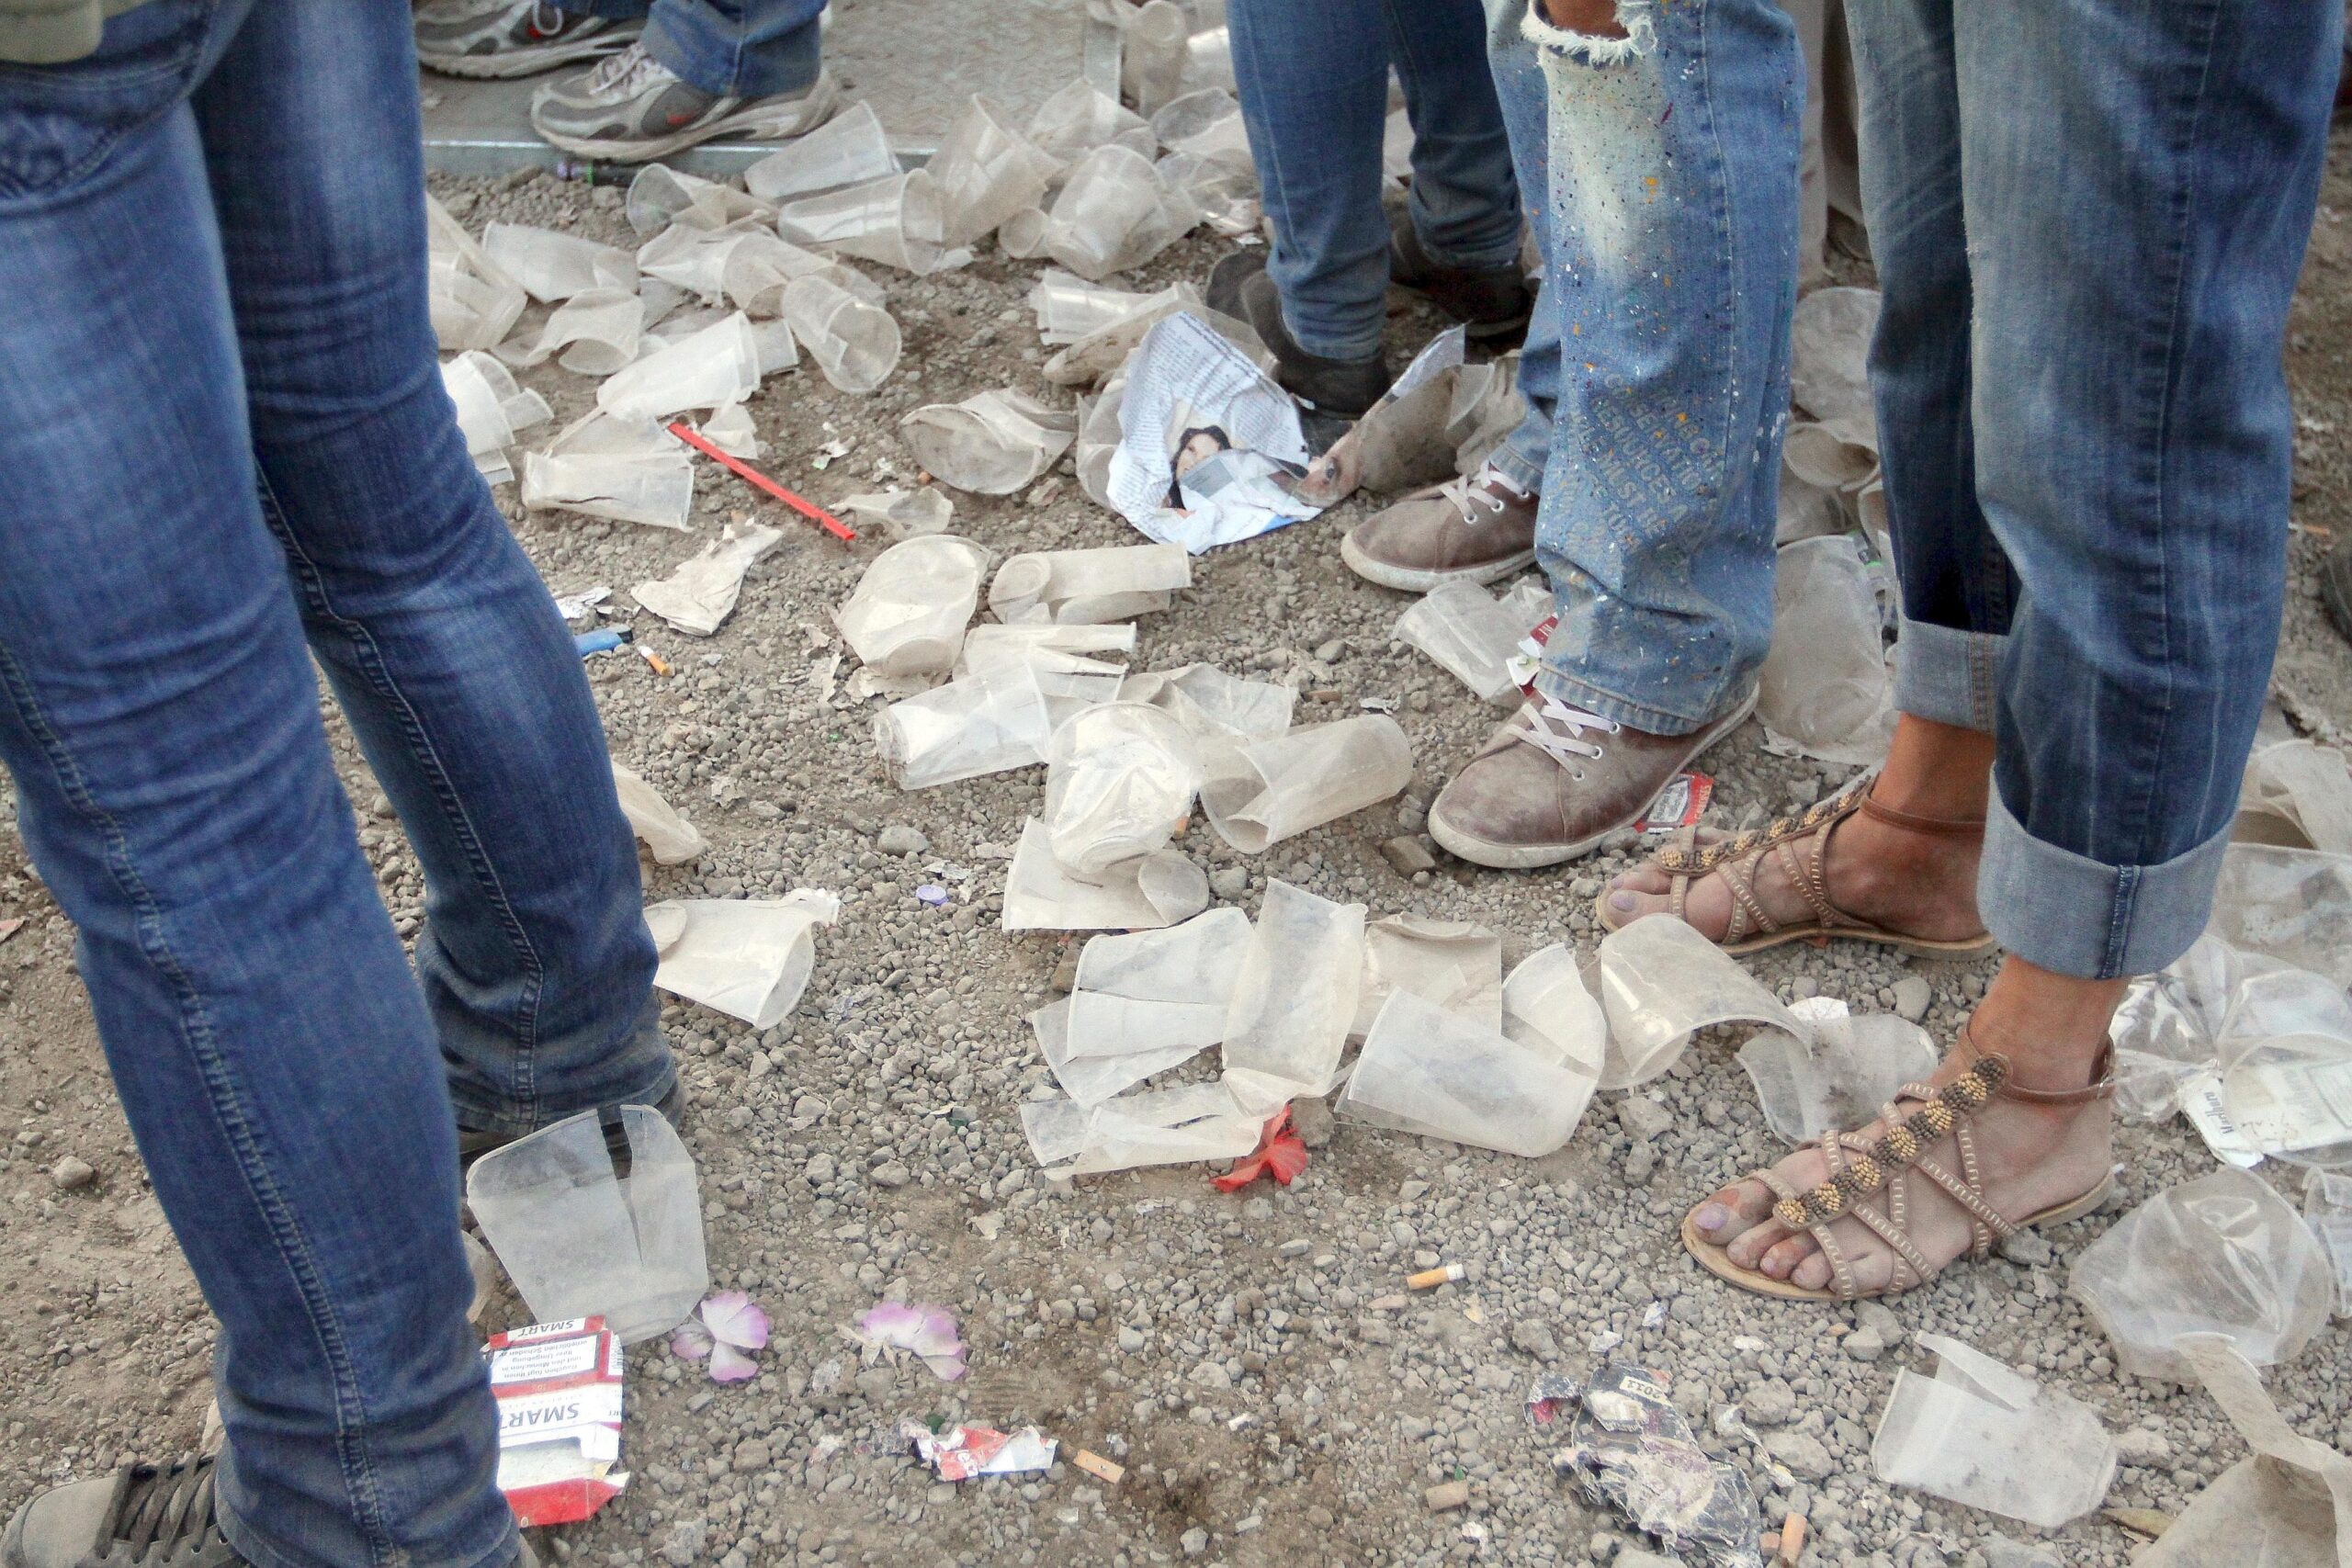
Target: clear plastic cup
x=855, y=342
x=850, y=148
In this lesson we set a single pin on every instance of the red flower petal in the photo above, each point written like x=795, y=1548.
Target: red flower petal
x=1280, y=1155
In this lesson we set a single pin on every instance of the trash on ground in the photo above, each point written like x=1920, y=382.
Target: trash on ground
x=1472, y=634
x=1069, y=309
x=1143, y=1002
x=2222, y=1253
x=994, y=716
x=1183, y=1126
x=1115, y=211
x=725, y=1329
x=1108, y=1471
x=474, y=302
x=1791, y=1543
x=1826, y=689
x=1829, y=345
x=2327, y=1209
x=1980, y=1434
x=2292, y=905
x=1213, y=704
x=1632, y=1450
x=902, y=513
x=1279, y=1154
x=559, y=1391
x=1402, y=442
x=1660, y=980
x=552, y=266
x=986, y=171
x=1444, y=1074
x=850, y=148
x=2292, y=1495
x=669, y=837
x=604, y=640
x=628, y=470
x=896, y=219
x=1119, y=782
x=702, y=592
x=578, y=1238
x=1258, y=792
x=1453, y=964
x=1089, y=587
x=2290, y=1096
x=597, y=331
x=1211, y=450
x=1041, y=894
x=749, y=958
x=907, y=613
x=491, y=409
x=1295, y=997
x=896, y=1329
x=705, y=369
x=1102, y=354
x=992, y=444
x=705, y=443
x=959, y=1453
x=2298, y=795
x=854, y=341
x=1679, y=805
x=658, y=196
x=1838, y=1073
x=1079, y=118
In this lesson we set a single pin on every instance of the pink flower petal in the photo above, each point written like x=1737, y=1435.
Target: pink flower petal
x=733, y=1319
x=692, y=1342
x=936, y=1336
x=949, y=1369
x=892, y=1323
x=729, y=1364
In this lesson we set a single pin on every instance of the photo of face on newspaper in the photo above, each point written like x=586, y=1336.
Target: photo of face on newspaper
x=1206, y=467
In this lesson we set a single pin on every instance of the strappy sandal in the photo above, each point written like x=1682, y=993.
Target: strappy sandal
x=1859, y=1166
x=1800, y=843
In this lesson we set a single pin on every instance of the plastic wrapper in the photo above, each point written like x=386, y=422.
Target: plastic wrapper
x=1829, y=348
x=552, y=266
x=1068, y=307
x=2327, y=1209
x=473, y=303
x=597, y=330
x=702, y=592
x=901, y=514
x=1089, y=587
x=1079, y=117
x=1212, y=704
x=2293, y=905
x=1167, y=1126
x=907, y=613
x=580, y=1240
x=2287, y=1504
x=1143, y=1003
x=1660, y=981
x=986, y=171
x=1295, y=998
x=1632, y=1452
x=897, y=221
x=850, y=148
x=1825, y=689
x=1447, y=1075
x=2290, y=1096
x=1114, y=212
x=1119, y=781
x=2298, y=794
x=668, y=837
x=1154, y=54
x=749, y=958
x=853, y=340
x=1980, y=1434
x=1471, y=634
x=491, y=410
x=992, y=442
x=1838, y=1074
x=2222, y=1253
x=1258, y=792
x=659, y=197
x=1453, y=965
x=1041, y=894
x=629, y=470
x=708, y=369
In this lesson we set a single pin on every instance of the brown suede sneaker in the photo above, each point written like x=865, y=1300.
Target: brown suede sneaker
x=1554, y=781
x=1476, y=529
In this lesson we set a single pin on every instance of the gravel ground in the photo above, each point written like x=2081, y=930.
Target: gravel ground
x=1246, y=1356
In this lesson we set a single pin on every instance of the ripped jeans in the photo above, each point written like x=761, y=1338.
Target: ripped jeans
x=1660, y=173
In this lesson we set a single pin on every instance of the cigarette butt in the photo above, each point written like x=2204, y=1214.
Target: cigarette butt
x=661, y=665
x=1095, y=1464
x=1791, y=1540
x=1429, y=1279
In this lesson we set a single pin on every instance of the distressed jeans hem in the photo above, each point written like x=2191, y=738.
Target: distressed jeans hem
x=1948, y=675
x=2072, y=915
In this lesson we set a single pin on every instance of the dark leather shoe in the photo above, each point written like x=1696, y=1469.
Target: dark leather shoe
x=1490, y=301
x=1333, y=392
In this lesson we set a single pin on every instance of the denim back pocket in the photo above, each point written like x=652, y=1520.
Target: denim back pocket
x=59, y=123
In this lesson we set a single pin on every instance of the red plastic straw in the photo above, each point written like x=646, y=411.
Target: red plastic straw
x=750, y=475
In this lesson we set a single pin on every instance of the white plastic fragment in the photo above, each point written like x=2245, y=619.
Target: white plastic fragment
x=1258, y=792
x=749, y=958
x=491, y=409
x=1548, y=1010
x=1167, y=1126
x=717, y=365
x=853, y=340
x=1041, y=894
x=1079, y=117
x=1206, y=124
x=1471, y=634
x=473, y=303
x=553, y=266
x=992, y=442
x=1143, y=1003
x=2297, y=793
x=1826, y=689
x=2222, y=1253
x=991, y=640
x=669, y=837
x=1453, y=964
x=850, y=148
x=1068, y=307
x=1659, y=981
x=1295, y=998
x=988, y=720
x=2327, y=1209
x=1438, y=1072
x=702, y=592
x=1837, y=1071
x=1213, y=704
x=1980, y=1434
x=1829, y=344
x=598, y=331
x=1087, y=587
x=2290, y=1499
x=1119, y=782
x=900, y=514
x=2294, y=904
x=659, y=197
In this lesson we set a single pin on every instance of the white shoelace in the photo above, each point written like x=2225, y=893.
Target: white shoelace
x=1559, y=729
x=1471, y=495
x=624, y=75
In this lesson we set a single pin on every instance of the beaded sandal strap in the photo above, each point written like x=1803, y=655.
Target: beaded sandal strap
x=1899, y=1147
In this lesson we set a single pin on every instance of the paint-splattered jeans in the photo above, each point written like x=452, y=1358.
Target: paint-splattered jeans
x=1661, y=172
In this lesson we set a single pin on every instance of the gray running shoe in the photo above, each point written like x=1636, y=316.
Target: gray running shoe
x=514, y=38
x=159, y=1516
x=632, y=108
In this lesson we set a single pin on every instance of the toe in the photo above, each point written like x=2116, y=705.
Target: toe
x=1642, y=879
x=1733, y=1209
x=1814, y=1273
x=1749, y=1247
x=1781, y=1258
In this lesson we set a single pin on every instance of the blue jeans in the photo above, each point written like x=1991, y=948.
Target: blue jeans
x=740, y=48
x=1312, y=76
x=224, y=448
x=1661, y=172
x=2089, y=491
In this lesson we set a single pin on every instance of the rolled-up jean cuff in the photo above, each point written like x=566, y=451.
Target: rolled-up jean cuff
x=2073, y=915
x=1947, y=674
x=1521, y=457
x=1576, y=693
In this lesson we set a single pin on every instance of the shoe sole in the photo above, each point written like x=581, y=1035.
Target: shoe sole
x=752, y=125
x=494, y=67
x=1373, y=569
x=1533, y=857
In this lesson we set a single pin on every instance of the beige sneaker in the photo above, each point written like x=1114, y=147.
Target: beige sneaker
x=1555, y=780
x=1476, y=529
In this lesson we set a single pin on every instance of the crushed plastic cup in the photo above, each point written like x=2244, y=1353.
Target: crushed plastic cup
x=708, y=369
x=850, y=148
x=991, y=443
x=1156, y=49
x=1428, y=1070
x=1208, y=59
x=1454, y=964
x=1206, y=125
x=749, y=958
x=1213, y=704
x=986, y=171
x=1826, y=689
x=1980, y=1434
x=2293, y=905
x=755, y=273
x=901, y=514
x=1119, y=780
x=2290, y=1096
x=597, y=330
x=731, y=431
x=2289, y=1499
x=2222, y=1253
x=2297, y=794
x=992, y=640
x=1098, y=435
x=1143, y=1002
x=1258, y=792
x=989, y=720
x=1104, y=350
x=1835, y=1075
x=1041, y=894
x=1068, y=307
x=2327, y=1209
x=1295, y=997
x=1548, y=1009
x=907, y=613
x=553, y=266
x=1471, y=634
x=627, y=488
x=1182, y=1126
x=473, y=303
x=667, y=835
x=580, y=1238
x=1085, y=587
x=1079, y=118
x=659, y=197
x=491, y=409
x=897, y=221
x=1660, y=981
x=1114, y=212
x=702, y=592
x=853, y=340
x=1830, y=348
x=1837, y=458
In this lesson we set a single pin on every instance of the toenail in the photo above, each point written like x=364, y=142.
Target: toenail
x=1620, y=901
x=1714, y=1217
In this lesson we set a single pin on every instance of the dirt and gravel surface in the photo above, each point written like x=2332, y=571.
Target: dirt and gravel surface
x=1241, y=1355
